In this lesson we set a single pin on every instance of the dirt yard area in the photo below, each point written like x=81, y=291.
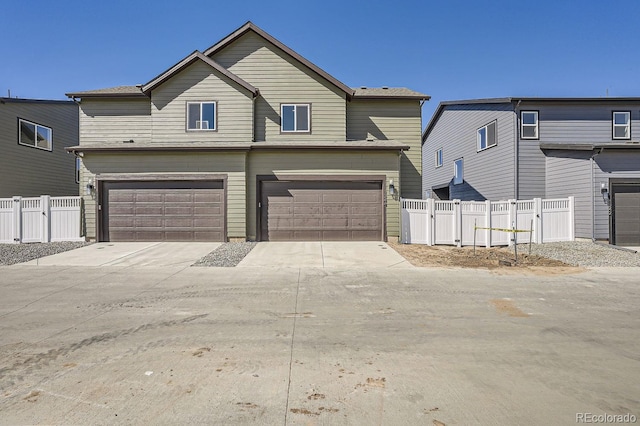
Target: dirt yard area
x=498, y=259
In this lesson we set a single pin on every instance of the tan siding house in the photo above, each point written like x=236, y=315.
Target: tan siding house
x=33, y=138
x=247, y=140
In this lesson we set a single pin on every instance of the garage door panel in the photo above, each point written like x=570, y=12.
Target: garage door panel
x=315, y=210
x=164, y=211
x=626, y=200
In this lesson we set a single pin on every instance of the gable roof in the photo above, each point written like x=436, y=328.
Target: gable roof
x=250, y=26
x=193, y=57
x=444, y=104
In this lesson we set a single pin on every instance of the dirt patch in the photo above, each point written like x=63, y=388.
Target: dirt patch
x=500, y=260
x=506, y=306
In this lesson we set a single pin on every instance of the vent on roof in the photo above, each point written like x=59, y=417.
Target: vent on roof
x=363, y=87
x=385, y=87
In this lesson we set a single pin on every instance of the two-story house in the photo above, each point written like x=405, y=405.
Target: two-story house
x=33, y=136
x=521, y=148
x=247, y=140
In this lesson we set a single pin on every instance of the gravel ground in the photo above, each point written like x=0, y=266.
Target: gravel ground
x=584, y=253
x=227, y=255
x=10, y=254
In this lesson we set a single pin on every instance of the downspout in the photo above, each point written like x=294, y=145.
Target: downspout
x=593, y=197
x=253, y=117
x=516, y=153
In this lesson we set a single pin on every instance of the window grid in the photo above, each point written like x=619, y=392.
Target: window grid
x=621, y=125
x=486, y=136
x=295, y=118
x=35, y=135
x=529, y=127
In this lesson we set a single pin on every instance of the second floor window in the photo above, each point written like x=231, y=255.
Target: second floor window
x=622, y=125
x=529, y=124
x=487, y=136
x=201, y=116
x=295, y=118
x=35, y=135
x=439, y=158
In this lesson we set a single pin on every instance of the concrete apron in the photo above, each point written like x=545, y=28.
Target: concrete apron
x=345, y=255
x=130, y=254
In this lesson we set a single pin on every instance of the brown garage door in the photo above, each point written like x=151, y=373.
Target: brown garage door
x=626, y=218
x=321, y=211
x=163, y=211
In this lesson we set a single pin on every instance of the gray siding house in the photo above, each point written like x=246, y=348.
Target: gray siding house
x=247, y=139
x=521, y=148
x=33, y=138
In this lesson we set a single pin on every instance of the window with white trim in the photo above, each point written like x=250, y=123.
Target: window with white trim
x=77, y=169
x=487, y=136
x=439, y=158
x=201, y=116
x=529, y=125
x=295, y=118
x=35, y=135
x=458, y=177
x=621, y=125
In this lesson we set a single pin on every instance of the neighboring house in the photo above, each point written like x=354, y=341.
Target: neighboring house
x=33, y=138
x=521, y=148
x=247, y=140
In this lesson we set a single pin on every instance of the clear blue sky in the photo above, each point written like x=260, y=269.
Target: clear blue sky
x=447, y=49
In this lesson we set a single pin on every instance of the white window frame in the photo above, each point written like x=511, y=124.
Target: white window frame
x=36, y=126
x=78, y=167
x=439, y=157
x=295, y=118
x=458, y=180
x=200, y=121
x=627, y=125
x=536, y=126
x=486, y=130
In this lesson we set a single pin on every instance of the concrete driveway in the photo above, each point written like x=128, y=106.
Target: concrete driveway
x=294, y=346
x=369, y=254
x=130, y=254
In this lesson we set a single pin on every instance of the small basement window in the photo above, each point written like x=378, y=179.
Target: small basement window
x=529, y=125
x=201, y=116
x=621, y=125
x=35, y=135
x=487, y=136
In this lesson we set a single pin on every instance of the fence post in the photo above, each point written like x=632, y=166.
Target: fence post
x=431, y=221
x=487, y=224
x=572, y=225
x=513, y=216
x=537, y=228
x=45, y=214
x=457, y=223
x=17, y=219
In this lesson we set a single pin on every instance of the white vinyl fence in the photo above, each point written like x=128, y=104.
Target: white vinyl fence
x=434, y=222
x=40, y=219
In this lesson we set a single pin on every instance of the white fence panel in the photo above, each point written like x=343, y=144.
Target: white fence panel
x=65, y=219
x=525, y=220
x=31, y=220
x=453, y=222
x=6, y=220
x=474, y=213
x=416, y=221
x=500, y=218
x=554, y=225
x=42, y=219
x=445, y=222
